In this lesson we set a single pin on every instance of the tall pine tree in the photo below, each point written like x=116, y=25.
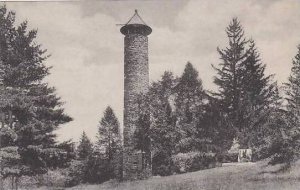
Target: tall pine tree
x=258, y=94
x=109, y=141
x=229, y=74
x=85, y=147
x=287, y=149
x=284, y=135
x=163, y=131
x=32, y=110
x=293, y=86
x=189, y=108
x=245, y=92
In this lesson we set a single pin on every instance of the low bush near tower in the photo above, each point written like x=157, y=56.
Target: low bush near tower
x=162, y=164
x=193, y=161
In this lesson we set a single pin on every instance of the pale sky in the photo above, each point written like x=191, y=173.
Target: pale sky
x=87, y=47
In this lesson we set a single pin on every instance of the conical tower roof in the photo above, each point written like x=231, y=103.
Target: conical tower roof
x=136, y=25
x=136, y=19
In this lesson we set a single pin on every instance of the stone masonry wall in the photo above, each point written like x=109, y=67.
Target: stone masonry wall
x=136, y=81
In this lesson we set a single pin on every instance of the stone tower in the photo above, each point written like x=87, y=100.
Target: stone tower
x=136, y=82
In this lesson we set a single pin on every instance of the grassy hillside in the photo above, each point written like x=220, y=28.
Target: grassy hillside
x=235, y=176
x=246, y=176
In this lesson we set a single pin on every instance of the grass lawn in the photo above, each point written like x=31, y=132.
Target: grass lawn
x=238, y=176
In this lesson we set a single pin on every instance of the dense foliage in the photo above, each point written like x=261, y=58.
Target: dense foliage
x=101, y=161
x=108, y=144
x=178, y=107
x=246, y=94
x=30, y=110
x=287, y=148
x=85, y=147
x=181, y=126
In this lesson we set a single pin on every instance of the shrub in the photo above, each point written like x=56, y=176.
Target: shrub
x=97, y=170
x=229, y=157
x=283, y=151
x=53, y=178
x=74, y=173
x=162, y=164
x=193, y=161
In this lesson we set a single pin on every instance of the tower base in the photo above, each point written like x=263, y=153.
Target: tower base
x=136, y=165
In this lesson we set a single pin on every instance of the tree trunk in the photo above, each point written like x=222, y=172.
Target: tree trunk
x=16, y=182
x=12, y=182
x=1, y=183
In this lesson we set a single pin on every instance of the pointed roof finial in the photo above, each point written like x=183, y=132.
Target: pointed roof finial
x=135, y=25
x=136, y=19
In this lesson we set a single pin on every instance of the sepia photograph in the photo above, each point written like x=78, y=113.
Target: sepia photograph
x=150, y=95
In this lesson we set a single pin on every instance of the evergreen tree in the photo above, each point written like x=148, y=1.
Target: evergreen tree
x=258, y=94
x=255, y=84
x=286, y=148
x=229, y=74
x=85, y=147
x=9, y=155
x=293, y=86
x=189, y=108
x=109, y=133
x=245, y=93
x=163, y=132
x=214, y=129
x=31, y=110
x=162, y=117
x=109, y=141
x=178, y=118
